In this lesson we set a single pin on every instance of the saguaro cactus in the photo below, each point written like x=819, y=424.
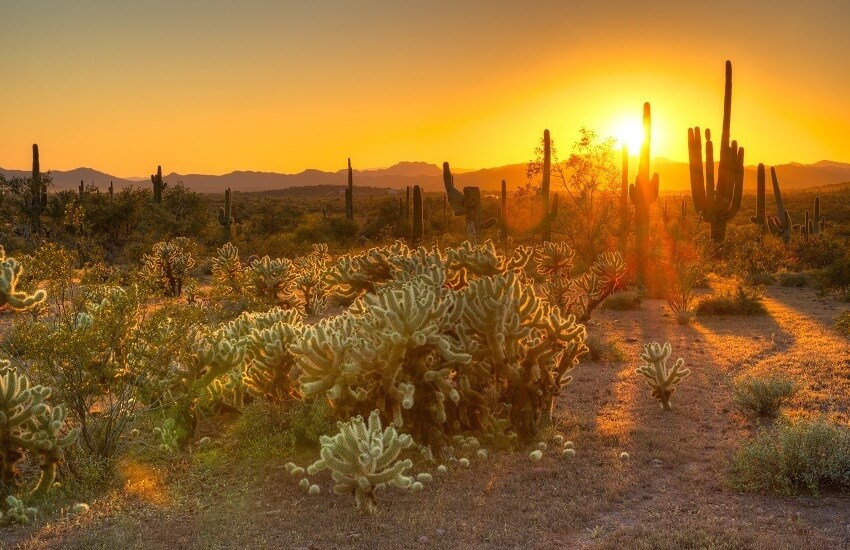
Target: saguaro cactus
x=349, y=194
x=780, y=224
x=38, y=192
x=717, y=205
x=760, y=218
x=503, y=215
x=815, y=224
x=158, y=185
x=418, y=226
x=467, y=203
x=643, y=193
x=82, y=189
x=549, y=214
x=225, y=217
x=111, y=191
x=624, y=201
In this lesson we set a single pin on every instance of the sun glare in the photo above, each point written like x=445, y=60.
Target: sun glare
x=628, y=133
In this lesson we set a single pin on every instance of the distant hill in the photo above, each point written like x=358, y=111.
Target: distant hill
x=674, y=177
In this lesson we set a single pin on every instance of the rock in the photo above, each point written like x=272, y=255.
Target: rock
x=440, y=531
x=423, y=540
x=656, y=463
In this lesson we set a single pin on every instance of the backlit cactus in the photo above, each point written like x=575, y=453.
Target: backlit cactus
x=10, y=296
x=643, y=192
x=225, y=217
x=466, y=203
x=227, y=270
x=760, y=218
x=418, y=224
x=717, y=205
x=28, y=424
x=349, y=194
x=271, y=280
x=549, y=214
x=660, y=378
x=780, y=224
x=363, y=458
x=158, y=185
x=269, y=371
x=168, y=264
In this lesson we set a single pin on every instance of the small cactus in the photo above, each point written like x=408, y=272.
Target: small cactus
x=661, y=379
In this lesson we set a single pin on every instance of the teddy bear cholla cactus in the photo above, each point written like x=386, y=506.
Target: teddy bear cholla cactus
x=661, y=379
x=269, y=362
x=28, y=424
x=10, y=272
x=271, y=280
x=168, y=264
x=363, y=458
x=227, y=270
x=468, y=261
x=524, y=342
x=310, y=279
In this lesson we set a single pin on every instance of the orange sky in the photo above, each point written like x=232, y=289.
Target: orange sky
x=217, y=86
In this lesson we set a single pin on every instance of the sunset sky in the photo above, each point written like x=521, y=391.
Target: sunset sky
x=215, y=86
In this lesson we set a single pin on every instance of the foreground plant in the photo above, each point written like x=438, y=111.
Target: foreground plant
x=29, y=425
x=661, y=379
x=168, y=264
x=10, y=272
x=362, y=458
x=764, y=396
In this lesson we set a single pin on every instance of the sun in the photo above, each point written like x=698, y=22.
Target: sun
x=628, y=133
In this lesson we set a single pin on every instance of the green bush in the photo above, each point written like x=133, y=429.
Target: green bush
x=793, y=279
x=267, y=430
x=623, y=301
x=795, y=457
x=603, y=350
x=764, y=396
x=741, y=301
x=842, y=323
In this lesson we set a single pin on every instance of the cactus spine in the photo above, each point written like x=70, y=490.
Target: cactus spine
x=780, y=225
x=225, y=217
x=158, y=185
x=418, y=218
x=624, y=201
x=643, y=193
x=717, y=205
x=760, y=218
x=349, y=194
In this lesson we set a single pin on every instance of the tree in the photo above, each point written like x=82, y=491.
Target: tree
x=591, y=178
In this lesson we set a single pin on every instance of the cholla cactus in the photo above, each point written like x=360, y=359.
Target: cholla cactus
x=527, y=344
x=581, y=295
x=168, y=264
x=10, y=271
x=270, y=363
x=353, y=276
x=29, y=424
x=17, y=512
x=661, y=379
x=363, y=458
x=272, y=280
x=468, y=261
x=554, y=259
x=227, y=269
x=310, y=279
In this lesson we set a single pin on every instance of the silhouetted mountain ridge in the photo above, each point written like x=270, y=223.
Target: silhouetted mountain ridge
x=674, y=177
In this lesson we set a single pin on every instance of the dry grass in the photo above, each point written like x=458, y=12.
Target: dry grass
x=673, y=491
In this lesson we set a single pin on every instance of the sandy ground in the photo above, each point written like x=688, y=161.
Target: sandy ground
x=671, y=493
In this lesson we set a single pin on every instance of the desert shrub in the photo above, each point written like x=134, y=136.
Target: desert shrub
x=807, y=455
x=741, y=301
x=267, y=430
x=836, y=275
x=819, y=251
x=793, y=279
x=599, y=349
x=760, y=278
x=623, y=301
x=684, y=269
x=842, y=323
x=764, y=396
x=755, y=255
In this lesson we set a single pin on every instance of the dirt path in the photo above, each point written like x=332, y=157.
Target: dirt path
x=672, y=485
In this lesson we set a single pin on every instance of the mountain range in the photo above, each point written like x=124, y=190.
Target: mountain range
x=673, y=176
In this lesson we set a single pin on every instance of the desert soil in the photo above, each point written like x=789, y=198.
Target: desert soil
x=672, y=491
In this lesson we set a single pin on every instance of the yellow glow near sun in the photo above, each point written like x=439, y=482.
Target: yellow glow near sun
x=628, y=133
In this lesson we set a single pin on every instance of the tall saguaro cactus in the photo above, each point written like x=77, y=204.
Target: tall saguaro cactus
x=780, y=224
x=549, y=214
x=760, y=218
x=503, y=215
x=718, y=204
x=158, y=185
x=349, y=194
x=38, y=191
x=225, y=216
x=466, y=203
x=418, y=227
x=643, y=193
